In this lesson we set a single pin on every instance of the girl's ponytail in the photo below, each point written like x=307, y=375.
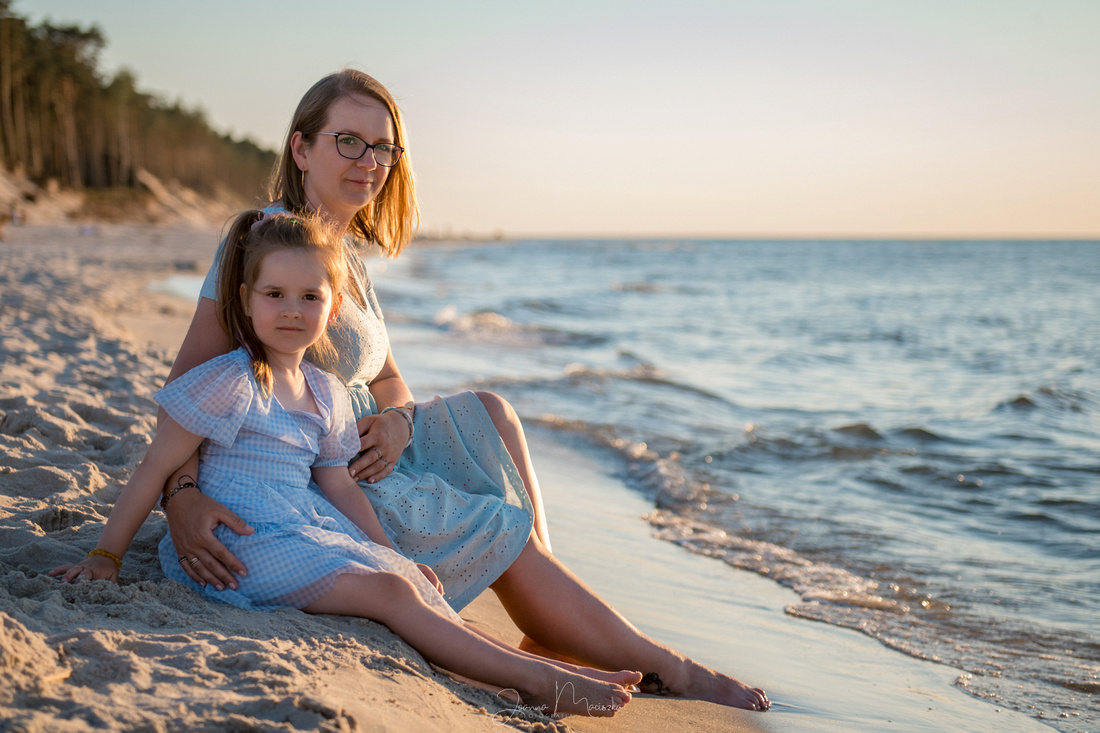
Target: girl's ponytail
x=231, y=314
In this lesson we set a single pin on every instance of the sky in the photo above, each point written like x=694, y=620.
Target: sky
x=725, y=118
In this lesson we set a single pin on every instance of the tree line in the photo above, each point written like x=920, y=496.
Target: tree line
x=61, y=119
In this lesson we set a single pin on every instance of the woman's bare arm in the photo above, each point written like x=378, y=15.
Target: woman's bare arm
x=383, y=437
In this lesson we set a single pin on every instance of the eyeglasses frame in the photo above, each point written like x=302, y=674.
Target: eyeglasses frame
x=400, y=150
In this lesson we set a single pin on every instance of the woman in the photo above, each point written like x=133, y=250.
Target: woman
x=476, y=515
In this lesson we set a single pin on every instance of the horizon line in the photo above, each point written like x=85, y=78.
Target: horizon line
x=500, y=236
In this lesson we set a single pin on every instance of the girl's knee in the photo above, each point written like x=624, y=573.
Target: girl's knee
x=393, y=585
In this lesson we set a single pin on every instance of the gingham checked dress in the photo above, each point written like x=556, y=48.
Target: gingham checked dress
x=455, y=500
x=256, y=460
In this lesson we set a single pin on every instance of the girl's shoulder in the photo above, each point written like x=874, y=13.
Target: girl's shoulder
x=236, y=361
x=328, y=381
x=214, y=398
x=232, y=371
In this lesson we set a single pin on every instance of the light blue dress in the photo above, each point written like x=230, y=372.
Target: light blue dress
x=455, y=500
x=256, y=460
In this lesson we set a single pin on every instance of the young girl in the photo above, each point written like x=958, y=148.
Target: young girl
x=267, y=422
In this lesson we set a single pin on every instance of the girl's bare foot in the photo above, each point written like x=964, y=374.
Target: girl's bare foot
x=623, y=677
x=566, y=692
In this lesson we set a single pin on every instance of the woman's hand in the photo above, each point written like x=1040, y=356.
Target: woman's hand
x=431, y=576
x=192, y=518
x=383, y=439
x=91, y=568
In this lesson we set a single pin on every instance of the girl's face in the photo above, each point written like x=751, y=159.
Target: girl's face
x=291, y=302
x=336, y=185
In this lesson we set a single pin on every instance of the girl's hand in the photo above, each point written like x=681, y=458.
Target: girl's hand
x=431, y=576
x=382, y=441
x=192, y=519
x=91, y=568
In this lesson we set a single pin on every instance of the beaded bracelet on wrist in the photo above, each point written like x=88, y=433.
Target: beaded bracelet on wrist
x=109, y=555
x=408, y=419
x=167, y=496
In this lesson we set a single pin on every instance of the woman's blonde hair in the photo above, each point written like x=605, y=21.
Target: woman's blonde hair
x=391, y=220
x=254, y=235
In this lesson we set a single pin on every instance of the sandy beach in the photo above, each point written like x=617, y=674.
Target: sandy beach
x=84, y=344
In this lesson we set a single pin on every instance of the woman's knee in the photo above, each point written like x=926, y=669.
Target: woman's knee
x=500, y=410
x=507, y=423
x=531, y=560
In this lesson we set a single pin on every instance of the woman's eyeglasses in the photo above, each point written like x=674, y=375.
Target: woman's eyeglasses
x=353, y=147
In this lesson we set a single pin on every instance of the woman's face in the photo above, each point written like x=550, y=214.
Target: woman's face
x=334, y=184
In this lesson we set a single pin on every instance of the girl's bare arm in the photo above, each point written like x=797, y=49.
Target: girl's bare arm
x=345, y=495
x=169, y=448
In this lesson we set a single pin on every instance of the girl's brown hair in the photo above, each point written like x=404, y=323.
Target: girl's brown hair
x=252, y=236
x=391, y=220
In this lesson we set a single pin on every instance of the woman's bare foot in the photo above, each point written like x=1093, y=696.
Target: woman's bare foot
x=566, y=692
x=706, y=684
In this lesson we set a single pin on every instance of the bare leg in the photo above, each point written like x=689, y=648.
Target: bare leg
x=559, y=612
x=392, y=600
x=510, y=428
x=622, y=677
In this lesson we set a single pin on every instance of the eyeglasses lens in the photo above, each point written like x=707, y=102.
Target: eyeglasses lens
x=352, y=147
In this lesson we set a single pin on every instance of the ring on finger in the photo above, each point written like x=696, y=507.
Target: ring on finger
x=182, y=558
x=194, y=561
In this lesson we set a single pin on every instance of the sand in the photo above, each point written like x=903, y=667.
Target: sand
x=84, y=344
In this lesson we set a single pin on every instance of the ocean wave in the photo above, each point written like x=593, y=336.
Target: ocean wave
x=490, y=326
x=902, y=614
x=852, y=442
x=1051, y=398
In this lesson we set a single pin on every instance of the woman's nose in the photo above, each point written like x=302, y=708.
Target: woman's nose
x=367, y=162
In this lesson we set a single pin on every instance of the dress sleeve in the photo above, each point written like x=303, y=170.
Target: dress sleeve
x=211, y=400
x=341, y=442
x=210, y=284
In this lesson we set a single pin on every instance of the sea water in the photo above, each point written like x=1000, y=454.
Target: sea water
x=906, y=433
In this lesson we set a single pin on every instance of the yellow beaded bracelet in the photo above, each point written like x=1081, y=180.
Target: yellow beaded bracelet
x=109, y=555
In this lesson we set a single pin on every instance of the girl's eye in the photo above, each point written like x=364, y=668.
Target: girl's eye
x=310, y=297
x=274, y=295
